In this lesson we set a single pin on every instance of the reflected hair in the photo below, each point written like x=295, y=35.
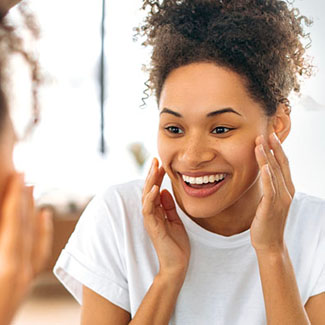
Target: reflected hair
x=11, y=43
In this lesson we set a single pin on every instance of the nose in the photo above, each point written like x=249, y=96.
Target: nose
x=197, y=152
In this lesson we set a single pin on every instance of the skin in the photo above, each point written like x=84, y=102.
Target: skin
x=256, y=193
x=197, y=149
x=25, y=235
x=7, y=142
x=6, y=5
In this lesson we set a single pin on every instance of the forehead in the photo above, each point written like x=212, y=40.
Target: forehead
x=205, y=87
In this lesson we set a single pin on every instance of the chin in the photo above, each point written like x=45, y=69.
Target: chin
x=200, y=208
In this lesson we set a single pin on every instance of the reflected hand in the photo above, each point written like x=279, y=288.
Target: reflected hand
x=25, y=244
x=267, y=229
x=165, y=228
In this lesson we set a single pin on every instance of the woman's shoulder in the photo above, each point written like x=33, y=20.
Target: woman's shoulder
x=130, y=188
x=117, y=203
x=116, y=210
x=124, y=192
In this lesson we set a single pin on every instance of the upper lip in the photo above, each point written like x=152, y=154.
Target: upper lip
x=199, y=174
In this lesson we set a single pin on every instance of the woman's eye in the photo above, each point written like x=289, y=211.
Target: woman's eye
x=174, y=129
x=221, y=130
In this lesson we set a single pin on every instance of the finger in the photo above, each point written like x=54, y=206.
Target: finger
x=42, y=245
x=155, y=177
x=260, y=155
x=274, y=167
x=283, y=162
x=261, y=158
x=160, y=175
x=149, y=182
x=159, y=178
x=11, y=228
x=29, y=224
x=29, y=221
x=268, y=187
x=149, y=208
x=168, y=204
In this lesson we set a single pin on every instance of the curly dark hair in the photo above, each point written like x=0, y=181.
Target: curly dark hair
x=11, y=43
x=261, y=40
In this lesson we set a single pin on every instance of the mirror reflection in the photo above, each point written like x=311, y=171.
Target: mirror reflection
x=217, y=226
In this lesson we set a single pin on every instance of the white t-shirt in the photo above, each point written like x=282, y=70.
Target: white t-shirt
x=111, y=253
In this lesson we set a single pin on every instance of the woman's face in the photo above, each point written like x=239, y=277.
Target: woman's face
x=207, y=131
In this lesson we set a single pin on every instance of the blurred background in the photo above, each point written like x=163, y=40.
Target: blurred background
x=88, y=140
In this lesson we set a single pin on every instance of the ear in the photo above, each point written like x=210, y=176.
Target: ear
x=281, y=122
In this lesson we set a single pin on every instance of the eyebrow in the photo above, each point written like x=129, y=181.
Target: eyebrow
x=211, y=114
x=222, y=111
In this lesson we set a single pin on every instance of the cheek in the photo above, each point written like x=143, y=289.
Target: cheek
x=241, y=154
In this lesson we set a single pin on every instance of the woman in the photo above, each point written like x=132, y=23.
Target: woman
x=229, y=241
x=25, y=236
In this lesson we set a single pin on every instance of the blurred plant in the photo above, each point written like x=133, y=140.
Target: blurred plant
x=139, y=152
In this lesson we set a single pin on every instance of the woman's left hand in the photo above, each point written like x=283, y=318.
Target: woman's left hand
x=267, y=228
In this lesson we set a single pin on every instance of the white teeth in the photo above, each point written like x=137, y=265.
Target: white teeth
x=203, y=179
x=199, y=180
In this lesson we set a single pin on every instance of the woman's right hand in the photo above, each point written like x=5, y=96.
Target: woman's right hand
x=165, y=228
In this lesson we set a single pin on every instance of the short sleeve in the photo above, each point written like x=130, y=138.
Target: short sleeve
x=93, y=256
x=319, y=286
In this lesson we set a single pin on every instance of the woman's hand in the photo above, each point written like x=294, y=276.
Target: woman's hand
x=267, y=229
x=25, y=244
x=165, y=228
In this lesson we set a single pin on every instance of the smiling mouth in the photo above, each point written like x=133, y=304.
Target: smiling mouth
x=204, y=185
x=206, y=180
